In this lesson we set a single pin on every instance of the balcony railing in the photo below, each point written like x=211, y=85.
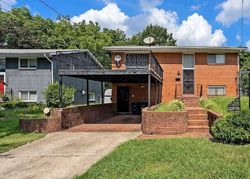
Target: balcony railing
x=144, y=61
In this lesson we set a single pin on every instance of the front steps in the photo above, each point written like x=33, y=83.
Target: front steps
x=197, y=116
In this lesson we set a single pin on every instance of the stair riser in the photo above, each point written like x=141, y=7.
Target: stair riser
x=198, y=123
x=193, y=112
x=198, y=117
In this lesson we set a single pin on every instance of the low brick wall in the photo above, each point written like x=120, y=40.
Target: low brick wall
x=77, y=115
x=164, y=122
x=40, y=125
x=212, y=117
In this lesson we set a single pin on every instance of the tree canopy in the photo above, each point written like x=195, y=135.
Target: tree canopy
x=19, y=29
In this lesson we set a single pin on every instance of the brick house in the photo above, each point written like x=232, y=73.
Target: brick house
x=148, y=75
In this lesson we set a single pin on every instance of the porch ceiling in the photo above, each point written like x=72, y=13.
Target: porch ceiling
x=114, y=76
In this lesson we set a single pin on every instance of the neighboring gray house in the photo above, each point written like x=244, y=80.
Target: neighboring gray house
x=29, y=71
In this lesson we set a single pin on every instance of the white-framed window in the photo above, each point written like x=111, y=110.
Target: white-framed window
x=27, y=63
x=216, y=59
x=216, y=90
x=28, y=96
x=91, y=97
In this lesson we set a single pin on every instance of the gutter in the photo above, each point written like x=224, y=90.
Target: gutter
x=52, y=68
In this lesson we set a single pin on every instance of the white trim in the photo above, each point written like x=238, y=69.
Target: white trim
x=52, y=68
x=19, y=96
x=4, y=80
x=27, y=68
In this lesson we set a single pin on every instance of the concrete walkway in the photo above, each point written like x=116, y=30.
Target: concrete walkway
x=60, y=155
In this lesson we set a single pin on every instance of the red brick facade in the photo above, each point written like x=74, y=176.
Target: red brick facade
x=204, y=75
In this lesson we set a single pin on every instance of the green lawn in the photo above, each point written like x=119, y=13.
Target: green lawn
x=10, y=135
x=219, y=104
x=173, y=158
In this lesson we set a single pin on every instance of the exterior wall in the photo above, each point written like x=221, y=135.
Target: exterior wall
x=138, y=92
x=27, y=80
x=216, y=74
x=204, y=74
x=122, y=62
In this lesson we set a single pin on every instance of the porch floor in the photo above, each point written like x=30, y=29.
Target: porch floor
x=117, y=123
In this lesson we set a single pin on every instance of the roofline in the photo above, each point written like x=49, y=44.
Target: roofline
x=176, y=49
x=42, y=52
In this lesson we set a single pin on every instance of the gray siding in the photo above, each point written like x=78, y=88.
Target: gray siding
x=80, y=61
x=27, y=80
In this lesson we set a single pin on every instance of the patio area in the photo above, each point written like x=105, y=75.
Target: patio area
x=117, y=123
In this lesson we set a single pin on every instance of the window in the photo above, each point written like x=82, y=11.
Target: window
x=2, y=64
x=216, y=59
x=25, y=63
x=28, y=96
x=216, y=91
x=188, y=61
x=91, y=97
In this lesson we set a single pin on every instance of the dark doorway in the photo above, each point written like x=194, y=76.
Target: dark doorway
x=188, y=81
x=123, y=99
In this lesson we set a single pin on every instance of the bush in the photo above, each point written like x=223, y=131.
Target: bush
x=207, y=104
x=51, y=95
x=14, y=105
x=234, y=129
x=175, y=105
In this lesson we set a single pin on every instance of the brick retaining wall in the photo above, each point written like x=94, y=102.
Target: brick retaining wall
x=212, y=117
x=164, y=122
x=77, y=115
x=40, y=125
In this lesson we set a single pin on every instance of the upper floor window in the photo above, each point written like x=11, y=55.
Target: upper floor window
x=136, y=60
x=216, y=59
x=2, y=64
x=27, y=63
x=188, y=61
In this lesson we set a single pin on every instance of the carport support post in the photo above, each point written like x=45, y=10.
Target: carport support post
x=102, y=92
x=149, y=90
x=87, y=81
x=60, y=92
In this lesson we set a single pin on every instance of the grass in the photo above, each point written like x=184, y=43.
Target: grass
x=10, y=134
x=219, y=104
x=173, y=158
x=174, y=105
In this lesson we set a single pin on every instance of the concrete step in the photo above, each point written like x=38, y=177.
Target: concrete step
x=197, y=116
x=198, y=123
x=198, y=129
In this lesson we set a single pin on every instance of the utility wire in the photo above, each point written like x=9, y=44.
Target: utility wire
x=56, y=11
x=242, y=22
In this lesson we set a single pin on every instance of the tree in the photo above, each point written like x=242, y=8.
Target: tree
x=160, y=34
x=244, y=65
x=51, y=95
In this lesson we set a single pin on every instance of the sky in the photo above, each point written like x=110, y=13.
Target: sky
x=192, y=22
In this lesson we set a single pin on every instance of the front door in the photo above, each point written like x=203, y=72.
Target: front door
x=123, y=99
x=188, y=74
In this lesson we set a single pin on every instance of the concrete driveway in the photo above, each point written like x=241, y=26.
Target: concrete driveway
x=60, y=155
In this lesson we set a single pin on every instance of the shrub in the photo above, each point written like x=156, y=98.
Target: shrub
x=14, y=104
x=175, y=105
x=51, y=95
x=207, y=104
x=234, y=129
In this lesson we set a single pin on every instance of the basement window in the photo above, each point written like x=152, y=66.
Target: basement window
x=216, y=90
x=28, y=96
x=216, y=59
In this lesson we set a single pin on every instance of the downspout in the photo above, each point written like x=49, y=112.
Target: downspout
x=52, y=68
